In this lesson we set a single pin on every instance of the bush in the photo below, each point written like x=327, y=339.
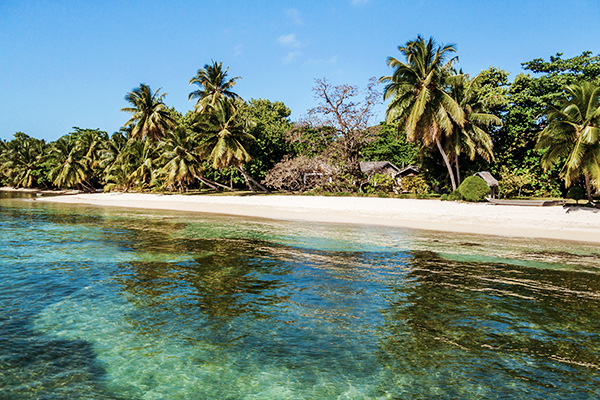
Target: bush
x=576, y=193
x=444, y=197
x=415, y=184
x=383, y=182
x=473, y=189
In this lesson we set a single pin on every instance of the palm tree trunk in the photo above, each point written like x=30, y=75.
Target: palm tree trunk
x=246, y=176
x=447, y=162
x=213, y=184
x=588, y=189
x=246, y=179
x=457, y=170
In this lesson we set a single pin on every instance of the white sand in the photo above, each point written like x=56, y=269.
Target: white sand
x=481, y=218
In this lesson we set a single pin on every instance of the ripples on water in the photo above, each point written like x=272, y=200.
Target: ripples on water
x=109, y=304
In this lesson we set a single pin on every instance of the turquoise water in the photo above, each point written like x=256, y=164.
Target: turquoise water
x=123, y=304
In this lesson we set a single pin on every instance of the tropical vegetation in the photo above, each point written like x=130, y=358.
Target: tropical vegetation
x=538, y=134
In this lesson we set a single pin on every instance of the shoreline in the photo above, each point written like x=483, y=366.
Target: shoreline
x=582, y=225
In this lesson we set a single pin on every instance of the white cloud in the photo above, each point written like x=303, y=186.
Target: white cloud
x=292, y=55
x=288, y=40
x=295, y=16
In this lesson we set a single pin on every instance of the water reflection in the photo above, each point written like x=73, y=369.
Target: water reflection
x=224, y=279
x=161, y=305
x=465, y=327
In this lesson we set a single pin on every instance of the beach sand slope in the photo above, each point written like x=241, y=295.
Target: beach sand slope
x=479, y=218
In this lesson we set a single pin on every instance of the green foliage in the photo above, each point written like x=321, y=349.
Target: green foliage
x=511, y=184
x=150, y=118
x=576, y=193
x=383, y=182
x=415, y=184
x=524, y=116
x=572, y=135
x=214, y=86
x=474, y=189
x=272, y=123
x=420, y=101
x=455, y=196
x=391, y=145
x=24, y=162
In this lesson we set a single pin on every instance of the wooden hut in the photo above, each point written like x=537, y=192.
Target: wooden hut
x=370, y=168
x=411, y=170
x=385, y=167
x=490, y=180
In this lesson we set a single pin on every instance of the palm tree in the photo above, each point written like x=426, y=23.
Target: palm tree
x=420, y=101
x=71, y=169
x=150, y=118
x=182, y=163
x=573, y=135
x=225, y=137
x=472, y=137
x=21, y=160
x=213, y=86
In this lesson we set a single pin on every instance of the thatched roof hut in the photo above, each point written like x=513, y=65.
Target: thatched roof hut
x=379, y=167
x=490, y=180
x=411, y=170
x=385, y=167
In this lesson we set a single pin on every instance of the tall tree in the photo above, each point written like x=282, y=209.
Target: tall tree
x=225, y=139
x=525, y=117
x=71, y=168
x=343, y=121
x=419, y=97
x=21, y=161
x=150, y=118
x=472, y=138
x=182, y=162
x=214, y=85
x=573, y=134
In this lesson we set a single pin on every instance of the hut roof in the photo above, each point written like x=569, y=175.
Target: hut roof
x=411, y=169
x=374, y=167
x=488, y=178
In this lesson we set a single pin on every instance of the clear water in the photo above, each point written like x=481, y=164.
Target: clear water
x=123, y=304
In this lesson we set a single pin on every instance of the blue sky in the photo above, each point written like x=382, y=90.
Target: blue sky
x=70, y=63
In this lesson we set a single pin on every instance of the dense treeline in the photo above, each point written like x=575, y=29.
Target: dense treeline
x=538, y=134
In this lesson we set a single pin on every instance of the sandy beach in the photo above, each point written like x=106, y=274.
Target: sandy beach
x=481, y=218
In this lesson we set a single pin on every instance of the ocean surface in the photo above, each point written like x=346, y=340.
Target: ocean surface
x=100, y=303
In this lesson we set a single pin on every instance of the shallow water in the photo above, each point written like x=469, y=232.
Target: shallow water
x=125, y=304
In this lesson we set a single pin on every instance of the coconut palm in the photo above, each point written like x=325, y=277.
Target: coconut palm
x=225, y=138
x=150, y=118
x=21, y=160
x=573, y=134
x=419, y=98
x=471, y=138
x=71, y=169
x=182, y=162
x=213, y=86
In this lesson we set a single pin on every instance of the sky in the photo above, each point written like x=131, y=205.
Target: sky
x=70, y=63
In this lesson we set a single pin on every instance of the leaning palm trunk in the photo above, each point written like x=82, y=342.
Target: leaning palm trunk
x=213, y=184
x=248, y=178
x=447, y=162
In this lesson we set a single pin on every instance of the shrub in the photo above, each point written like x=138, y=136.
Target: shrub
x=576, y=193
x=455, y=196
x=474, y=189
x=383, y=182
x=415, y=184
x=444, y=197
